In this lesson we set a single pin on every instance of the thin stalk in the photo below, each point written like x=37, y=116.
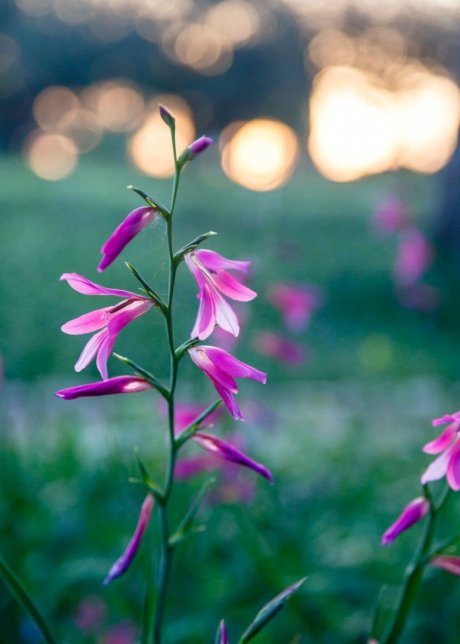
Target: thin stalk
x=167, y=548
x=26, y=602
x=414, y=573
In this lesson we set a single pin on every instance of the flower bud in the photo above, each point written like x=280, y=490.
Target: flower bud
x=412, y=513
x=167, y=117
x=197, y=147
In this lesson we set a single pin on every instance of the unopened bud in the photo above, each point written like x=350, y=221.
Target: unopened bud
x=167, y=117
x=197, y=147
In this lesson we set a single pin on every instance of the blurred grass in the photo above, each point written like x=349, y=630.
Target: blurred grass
x=342, y=434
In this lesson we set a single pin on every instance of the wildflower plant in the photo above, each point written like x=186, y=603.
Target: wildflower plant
x=217, y=283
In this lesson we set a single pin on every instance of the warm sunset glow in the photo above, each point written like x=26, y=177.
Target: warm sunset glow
x=260, y=154
x=118, y=105
x=150, y=146
x=84, y=130
x=199, y=46
x=359, y=127
x=237, y=20
x=50, y=156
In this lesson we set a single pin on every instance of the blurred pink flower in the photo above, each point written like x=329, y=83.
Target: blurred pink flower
x=209, y=270
x=297, y=303
x=420, y=297
x=133, y=223
x=108, y=321
x=448, y=446
x=275, y=346
x=412, y=513
x=123, y=563
x=414, y=257
x=390, y=216
x=122, y=633
x=90, y=613
x=222, y=368
x=449, y=563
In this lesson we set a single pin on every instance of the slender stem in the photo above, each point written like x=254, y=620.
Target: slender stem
x=166, y=547
x=26, y=602
x=414, y=573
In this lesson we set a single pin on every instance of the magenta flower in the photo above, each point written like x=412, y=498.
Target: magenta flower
x=116, y=385
x=222, y=637
x=296, y=302
x=450, y=563
x=199, y=146
x=123, y=563
x=390, y=216
x=124, y=233
x=448, y=446
x=223, y=450
x=222, y=368
x=108, y=321
x=414, y=257
x=412, y=513
x=278, y=348
x=209, y=270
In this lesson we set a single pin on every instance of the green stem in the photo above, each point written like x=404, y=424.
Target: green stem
x=26, y=602
x=166, y=548
x=414, y=573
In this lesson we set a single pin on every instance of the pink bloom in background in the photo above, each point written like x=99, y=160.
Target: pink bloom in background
x=448, y=446
x=414, y=257
x=123, y=563
x=449, y=563
x=116, y=385
x=222, y=368
x=278, y=348
x=412, y=513
x=296, y=302
x=420, y=297
x=136, y=221
x=210, y=272
x=390, y=216
x=108, y=321
x=122, y=633
x=90, y=613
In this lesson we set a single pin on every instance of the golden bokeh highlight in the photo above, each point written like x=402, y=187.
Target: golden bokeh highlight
x=50, y=156
x=118, y=105
x=361, y=126
x=237, y=20
x=198, y=46
x=55, y=107
x=84, y=129
x=149, y=148
x=260, y=154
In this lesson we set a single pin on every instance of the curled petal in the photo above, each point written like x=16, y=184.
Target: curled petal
x=447, y=418
x=228, y=364
x=229, y=401
x=449, y=563
x=88, y=322
x=453, y=468
x=233, y=289
x=91, y=349
x=124, y=233
x=227, y=452
x=116, y=385
x=215, y=262
x=443, y=441
x=412, y=513
x=206, y=317
x=225, y=316
x=122, y=564
x=85, y=286
x=212, y=371
x=437, y=469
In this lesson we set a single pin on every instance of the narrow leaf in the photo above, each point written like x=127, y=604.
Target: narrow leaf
x=268, y=612
x=152, y=487
x=144, y=373
x=150, y=200
x=192, y=245
x=185, y=346
x=25, y=601
x=148, y=289
x=186, y=525
x=193, y=427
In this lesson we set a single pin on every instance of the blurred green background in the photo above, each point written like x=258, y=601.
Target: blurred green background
x=341, y=430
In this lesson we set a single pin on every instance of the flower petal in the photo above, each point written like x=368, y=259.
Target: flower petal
x=227, y=452
x=225, y=315
x=447, y=418
x=83, y=285
x=443, y=441
x=453, y=468
x=122, y=564
x=229, y=401
x=216, y=375
x=226, y=363
x=437, y=469
x=90, y=349
x=124, y=233
x=215, y=262
x=88, y=322
x=206, y=317
x=222, y=637
x=448, y=563
x=116, y=385
x=233, y=289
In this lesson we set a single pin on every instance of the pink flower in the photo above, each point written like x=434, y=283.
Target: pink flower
x=209, y=270
x=222, y=637
x=450, y=563
x=412, y=513
x=448, y=446
x=276, y=347
x=222, y=368
x=116, y=385
x=124, y=233
x=199, y=146
x=108, y=321
x=390, y=216
x=296, y=302
x=123, y=563
x=414, y=257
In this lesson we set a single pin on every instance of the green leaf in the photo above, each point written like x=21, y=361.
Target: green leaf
x=192, y=245
x=268, y=612
x=144, y=373
x=16, y=587
x=185, y=346
x=152, y=487
x=150, y=200
x=186, y=527
x=193, y=427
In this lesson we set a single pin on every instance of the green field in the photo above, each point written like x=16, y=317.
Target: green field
x=342, y=434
